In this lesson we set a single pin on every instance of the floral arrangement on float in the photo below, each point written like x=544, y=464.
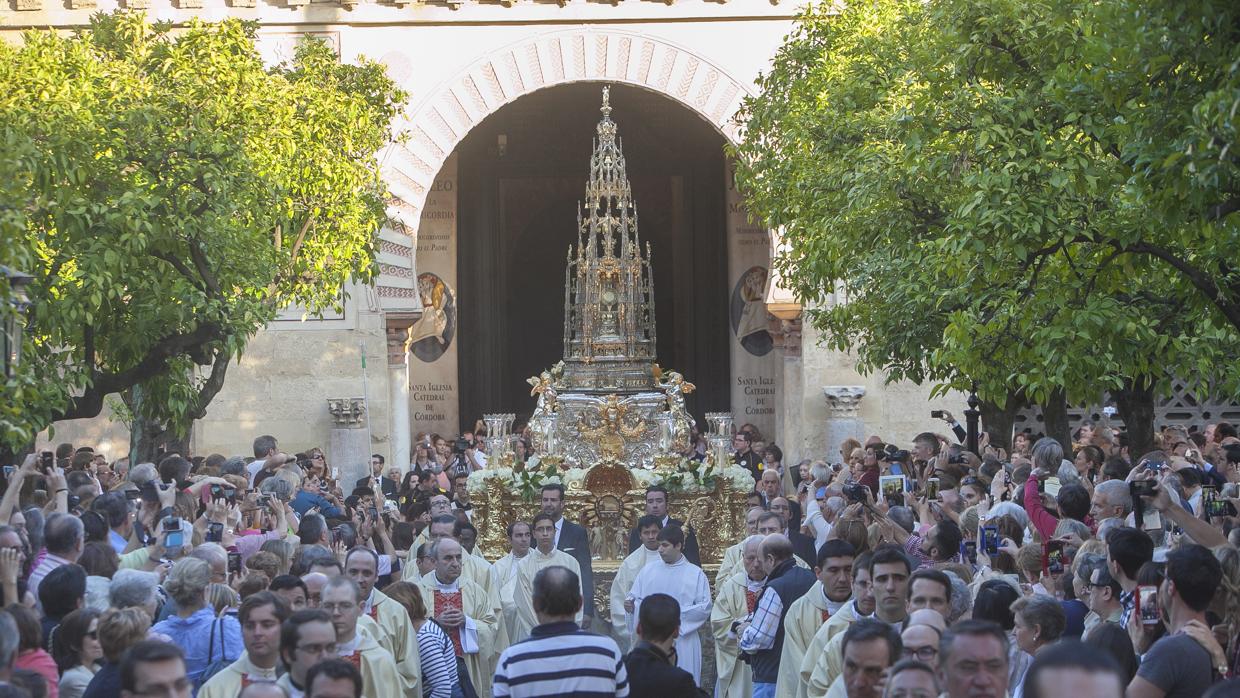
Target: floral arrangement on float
x=686, y=476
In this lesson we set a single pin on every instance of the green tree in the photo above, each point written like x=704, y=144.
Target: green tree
x=170, y=194
x=1035, y=195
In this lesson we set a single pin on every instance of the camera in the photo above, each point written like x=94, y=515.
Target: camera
x=1141, y=488
x=174, y=539
x=46, y=461
x=855, y=492
x=936, y=414
x=897, y=455
x=461, y=445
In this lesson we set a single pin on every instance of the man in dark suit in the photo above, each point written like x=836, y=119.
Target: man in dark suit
x=652, y=671
x=376, y=471
x=573, y=540
x=656, y=505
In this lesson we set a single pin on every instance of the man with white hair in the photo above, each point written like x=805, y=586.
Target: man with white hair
x=737, y=598
x=135, y=589
x=820, y=517
x=731, y=563
x=1111, y=500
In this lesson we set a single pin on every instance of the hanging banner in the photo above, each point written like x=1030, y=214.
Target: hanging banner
x=433, y=385
x=755, y=363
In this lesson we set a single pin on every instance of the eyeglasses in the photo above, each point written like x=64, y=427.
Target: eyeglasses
x=341, y=606
x=925, y=654
x=92, y=634
x=179, y=687
x=325, y=648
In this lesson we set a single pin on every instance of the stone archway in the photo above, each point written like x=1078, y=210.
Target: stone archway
x=442, y=118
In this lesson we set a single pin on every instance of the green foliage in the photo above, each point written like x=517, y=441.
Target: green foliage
x=170, y=194
x=1034, y=195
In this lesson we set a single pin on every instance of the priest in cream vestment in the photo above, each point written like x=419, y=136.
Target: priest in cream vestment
x=544, y=555
x=504, y=574
x=825, y=599
x=684, y=581
x=466, y=612
x=814, y=669
x=736, y=599
x=475, y=567
x=261, y=617
x=648, y=528
x=731, y=563
x=342, y=599
x=386, y=620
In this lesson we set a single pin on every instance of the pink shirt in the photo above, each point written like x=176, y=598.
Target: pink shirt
x=41, y=663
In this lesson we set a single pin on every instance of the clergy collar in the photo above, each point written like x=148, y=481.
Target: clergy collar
x=445, y=586
x=251, y=669
x=550, y=554
x=347, y=648
x=751, y=585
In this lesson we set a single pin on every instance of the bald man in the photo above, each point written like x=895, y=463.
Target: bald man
x=763, y=637
x=315, y=581
x=737, y=599
x=731, y=563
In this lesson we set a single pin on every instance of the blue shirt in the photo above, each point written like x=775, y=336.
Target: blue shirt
x=203, y=647
x=304, y=501
x=118, y=542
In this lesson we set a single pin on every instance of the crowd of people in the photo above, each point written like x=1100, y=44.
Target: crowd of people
x=902, y=570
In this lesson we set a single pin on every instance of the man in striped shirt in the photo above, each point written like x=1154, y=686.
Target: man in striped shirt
x=559, y=658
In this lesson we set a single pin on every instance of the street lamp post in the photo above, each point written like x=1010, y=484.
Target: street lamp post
x=15, y=321
x=972, y=417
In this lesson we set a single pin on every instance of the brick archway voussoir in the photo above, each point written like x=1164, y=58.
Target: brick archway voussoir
x=439, y=122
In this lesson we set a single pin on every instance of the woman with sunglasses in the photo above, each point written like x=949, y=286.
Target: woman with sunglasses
x=75, y=645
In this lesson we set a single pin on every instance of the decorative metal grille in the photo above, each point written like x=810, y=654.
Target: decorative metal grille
x=1181, y=407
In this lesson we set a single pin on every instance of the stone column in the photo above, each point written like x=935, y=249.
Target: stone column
x=349, y=448
x=843, y=417
x=788, y=415
x=397, y=330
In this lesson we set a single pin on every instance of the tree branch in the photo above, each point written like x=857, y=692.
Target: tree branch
x=204, y=268
x=180, y=267
x=1202, y=281
x=156, y=360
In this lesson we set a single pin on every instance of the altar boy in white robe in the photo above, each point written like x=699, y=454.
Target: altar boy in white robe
x=647, y=553
x=677, y=577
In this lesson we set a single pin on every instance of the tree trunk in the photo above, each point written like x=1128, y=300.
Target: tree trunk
x=998, y=421
x=1135, y=402
x=1055, y=419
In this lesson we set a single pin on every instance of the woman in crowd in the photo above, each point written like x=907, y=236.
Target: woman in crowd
x=75, y=645
x=30, y=652
x=1039, y=622
x=203, y=636
x=435, y=652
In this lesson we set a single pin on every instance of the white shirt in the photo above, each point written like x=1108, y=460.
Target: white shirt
x=254, y=468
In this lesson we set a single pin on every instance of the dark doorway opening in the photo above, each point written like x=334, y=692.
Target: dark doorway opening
x=521, y=173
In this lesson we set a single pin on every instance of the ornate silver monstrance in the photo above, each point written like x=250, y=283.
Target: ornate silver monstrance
x=608, y=396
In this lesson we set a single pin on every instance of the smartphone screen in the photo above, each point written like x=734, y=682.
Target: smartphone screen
x=174, y=540
x=1054, y=557
x=215, y=532
x=932, y=488
x=9, y=470
x=969, y=551
x=990, y=540
x=234, y=563
x=1147, y=605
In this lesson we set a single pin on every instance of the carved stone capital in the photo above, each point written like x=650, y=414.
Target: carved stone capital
x=396, y=328
x=347, y=412
x=787, y=335
x=844, y=401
